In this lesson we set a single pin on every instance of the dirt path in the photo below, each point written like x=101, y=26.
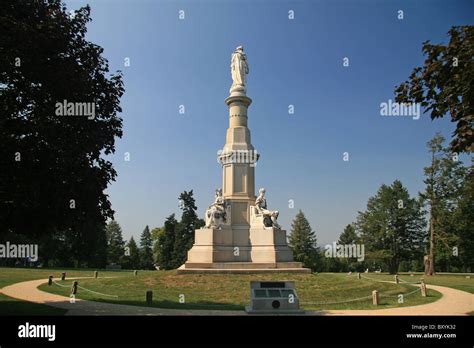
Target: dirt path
x=453, y=302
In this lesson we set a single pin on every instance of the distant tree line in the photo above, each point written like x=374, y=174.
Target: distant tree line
x=432, y=232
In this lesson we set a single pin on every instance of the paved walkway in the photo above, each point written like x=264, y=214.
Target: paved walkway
x=452, y=302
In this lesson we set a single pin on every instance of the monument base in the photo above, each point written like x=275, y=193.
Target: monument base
x=241, y=250
x=242, y=268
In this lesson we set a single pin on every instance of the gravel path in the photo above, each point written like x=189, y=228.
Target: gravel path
x=453, y=302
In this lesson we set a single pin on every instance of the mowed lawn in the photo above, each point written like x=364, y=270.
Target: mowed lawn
x=455, y=281
x=231, y=292
x=222, y=291
x=12, y=306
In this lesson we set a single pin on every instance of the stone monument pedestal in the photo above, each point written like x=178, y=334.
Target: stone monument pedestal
x=241, y=250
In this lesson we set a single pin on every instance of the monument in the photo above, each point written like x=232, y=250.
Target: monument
x=241, y=234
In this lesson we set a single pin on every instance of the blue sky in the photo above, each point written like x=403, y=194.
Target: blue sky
x=337, y=109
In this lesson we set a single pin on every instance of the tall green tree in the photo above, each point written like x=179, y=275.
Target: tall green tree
x=348, y=236
x=115, y=243
x=443, y=85
x=444, y=180
x=392, y=227
x=184, y=231
x=463, y=217
x=146, y=251
x=132, y=255
x=302, y=242
x=156, y=234
x=166, y=241
x=53, y=169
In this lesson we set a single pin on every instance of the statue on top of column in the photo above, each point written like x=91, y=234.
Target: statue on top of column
x=239, y=68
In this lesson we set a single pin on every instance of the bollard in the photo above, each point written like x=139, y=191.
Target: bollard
x=149, y=297
x=135, y=273
x=74, y=288
x=423, y=288
x=397, y=280
x=358, y=275
x=375, y=298
x=96, y=274
x=63, y=276
x=50, y=280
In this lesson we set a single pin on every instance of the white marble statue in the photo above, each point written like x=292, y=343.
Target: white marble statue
x=216, y=214
x=269, y=216
x=239, y=68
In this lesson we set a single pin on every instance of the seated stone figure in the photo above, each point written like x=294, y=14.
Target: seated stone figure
x=216, y=214
x=269, y=216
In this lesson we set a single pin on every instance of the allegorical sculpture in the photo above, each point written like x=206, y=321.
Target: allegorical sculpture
x=241, y=234
x=239, y=68
x=217, y=213
x=269, y=216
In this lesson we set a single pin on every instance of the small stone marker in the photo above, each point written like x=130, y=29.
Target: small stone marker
x=358, y=275
x=135, y=273
x=96, y=274
x=74, y=288
x=375, y=298
x=149, y=297
x=397, y=280
x=468, y=277
x=423, y=288
x=63, y=276
x=50, y=280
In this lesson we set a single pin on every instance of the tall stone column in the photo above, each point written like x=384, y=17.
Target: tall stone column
x=238, y=159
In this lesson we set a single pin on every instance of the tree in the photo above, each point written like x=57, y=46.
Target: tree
x=146, y=251
x=444, y=84
x=156, y=234
x=184, y=231
x=444, y=180
x=302, y=242
x=392, y=227
x=349, y=235
x=132, y=255
x=166, y=243
x=53, y=172
x=464, y=228
x=115, y=243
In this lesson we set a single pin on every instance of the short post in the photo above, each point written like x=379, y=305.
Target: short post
x=375, y=298
x=50, y=280
x=96, y=274
x=74, y=288
x=149, y=297
x=423, y=288
x=397, y=280
x=63, y=276
x=135, y=273
x=358, y=275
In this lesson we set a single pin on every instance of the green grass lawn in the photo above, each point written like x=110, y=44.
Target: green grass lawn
x=454, y=281
x=222, y=291
x=12, y=306
x=231, y=292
